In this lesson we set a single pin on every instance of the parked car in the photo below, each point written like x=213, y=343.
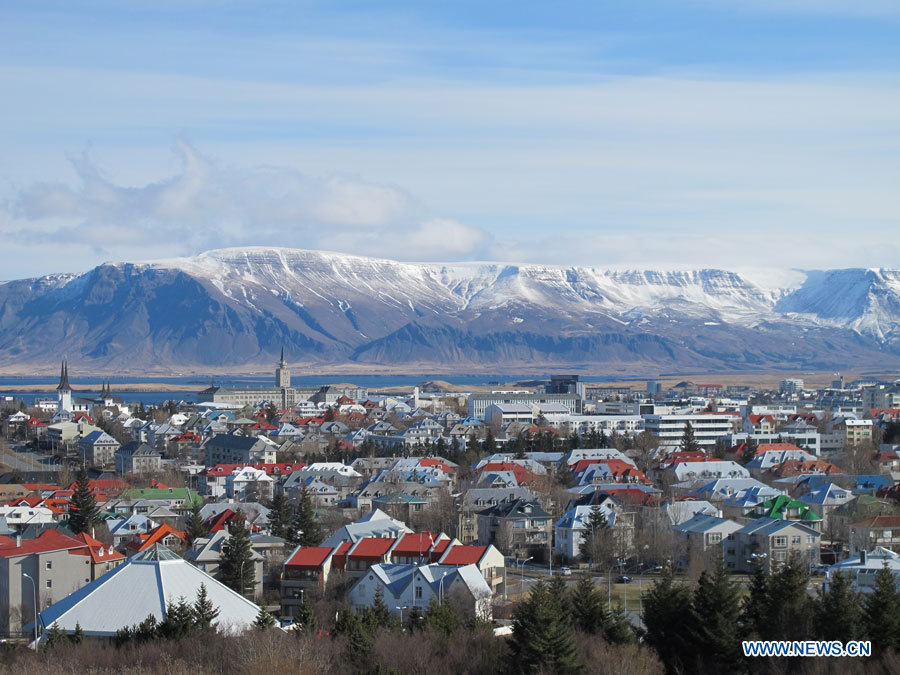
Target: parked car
x=624, y=579
x=565, y=571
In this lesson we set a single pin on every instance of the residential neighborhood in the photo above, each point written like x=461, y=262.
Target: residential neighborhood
x=412, y=502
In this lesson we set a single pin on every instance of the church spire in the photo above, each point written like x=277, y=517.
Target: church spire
x=283, y=364
x=64, y=378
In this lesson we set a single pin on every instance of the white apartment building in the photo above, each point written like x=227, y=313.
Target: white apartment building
x=707, y=428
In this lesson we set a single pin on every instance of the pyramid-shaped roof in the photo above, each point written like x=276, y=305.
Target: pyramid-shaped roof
x=142, y=586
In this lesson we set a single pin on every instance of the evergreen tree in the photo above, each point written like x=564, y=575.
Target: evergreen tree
x=415, y=619
x=78, y=636
x=280, y=516
x=596, y=541
x=345, y=622
x=667, y=606
x=588, y=607
x=602, y=440
x=237, y=568
x=564, y=475
x=305, y=616
x=714, y=627
x=881, y=612
x=264, y=620
x=755, y=608
x=204, y=612
x=617, y=628
x=791, y=609
x=541, y=640
x=55, y=637
x=305, y=530
x=688, y=442
x=195, y=527
x=378, y=615
x=443, y=617
x=489, y=447
x=83, y=512
x=561, y=598
x=838, y=615
x=178, y=622
x=749, y=452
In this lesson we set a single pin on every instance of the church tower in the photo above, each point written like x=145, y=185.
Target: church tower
x=63, y=390
x=282, y=373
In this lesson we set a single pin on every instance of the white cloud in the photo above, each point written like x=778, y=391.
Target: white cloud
x=208, y=205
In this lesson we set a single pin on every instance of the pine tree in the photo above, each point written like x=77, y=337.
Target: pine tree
x=791, y=609
x=750, y=447
x=264, y=620
x=838, y=615
x=280, y=516
x=195, y=527
x=541, y=640
x=178, y=622
x=415, y=619
x=688, y=442
x=55, y=637
x=83, y=512
x=755, y=608
x=305, y=530
x=204, y=612
x=617, y=628
x=237, y=568
x=561, y=598
x=78, y=636
x=881, y=612
x=595, y=542
x=667, y=606
x=714, y=628
x=378, y=615
x=305, y=616
x=443, y=618
x=564, y=475
x=587, y=607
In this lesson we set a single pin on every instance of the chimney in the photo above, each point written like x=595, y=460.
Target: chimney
x=18, y=541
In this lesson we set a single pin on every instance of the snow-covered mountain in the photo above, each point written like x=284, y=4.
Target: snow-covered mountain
x=238, y=306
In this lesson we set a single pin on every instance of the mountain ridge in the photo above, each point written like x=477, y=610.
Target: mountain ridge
x=238, y=306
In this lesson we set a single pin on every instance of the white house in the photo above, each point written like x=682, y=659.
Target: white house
x=406, y=586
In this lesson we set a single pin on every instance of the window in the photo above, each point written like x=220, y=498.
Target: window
x=713, y=537
x=810, y=539
x=780, y=556
x=418, y=591
x=49, y=565
x=795, y=539
x=780, y=542
x=49, y=583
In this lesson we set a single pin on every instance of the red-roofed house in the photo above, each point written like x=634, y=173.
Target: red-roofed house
x=488, y=559
x=58, y=565
x=367, y=552
x=759, y=424
x=523, y=475
x=166, y=535
x=306, y=569
x=414, y=548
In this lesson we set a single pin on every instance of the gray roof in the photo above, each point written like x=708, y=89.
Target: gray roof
x=702, y=522
x=142, y=586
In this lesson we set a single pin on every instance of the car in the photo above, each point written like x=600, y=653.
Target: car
x=565, y=571
x=818, y=571
x=624, y=579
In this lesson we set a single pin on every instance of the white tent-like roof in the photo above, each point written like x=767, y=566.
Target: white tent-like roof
x=142, y=586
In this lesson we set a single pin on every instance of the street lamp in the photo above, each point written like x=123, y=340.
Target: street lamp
x=441, y=590
x=400, y=609
x=34, y=592
x=522, y=573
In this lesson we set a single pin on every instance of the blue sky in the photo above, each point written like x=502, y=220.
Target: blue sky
x=744, y=134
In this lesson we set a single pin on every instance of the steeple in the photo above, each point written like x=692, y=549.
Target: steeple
x=282, y=373
x=64, y=378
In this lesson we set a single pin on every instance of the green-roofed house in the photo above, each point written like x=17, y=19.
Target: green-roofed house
x=783, y=507
x=179, y=499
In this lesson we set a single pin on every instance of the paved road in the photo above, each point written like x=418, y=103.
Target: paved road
x=21, y=461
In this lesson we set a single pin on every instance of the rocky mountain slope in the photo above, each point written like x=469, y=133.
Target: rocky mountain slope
x=233, y=307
